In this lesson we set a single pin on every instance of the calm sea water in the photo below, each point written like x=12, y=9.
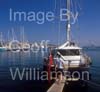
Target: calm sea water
x=35, y=60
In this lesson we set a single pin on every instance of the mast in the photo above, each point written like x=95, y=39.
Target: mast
x=1, y=40
x=68, y=24
x=22, y=36
x=23, y=39
x=13, y=36
x=8, y=38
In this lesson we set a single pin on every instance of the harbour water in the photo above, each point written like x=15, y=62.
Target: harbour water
x=35, y=60
x=94, y=71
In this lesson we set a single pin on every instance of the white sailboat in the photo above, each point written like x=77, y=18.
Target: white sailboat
x=72, y=55
x=2, y=46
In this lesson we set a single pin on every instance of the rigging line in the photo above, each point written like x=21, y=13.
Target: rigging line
x=55, y=6
x=77, y=22
x=72, y=10
x=1, y=42
x=53, y=24
x=59, y=26
x=79, y=5
x=12, y=34
x=0, y=36
x=8, y=35
x=75, y=12
x=20, y=34
x=23, y=34
x=15, y=36
x=76, y=7
x=72, y=5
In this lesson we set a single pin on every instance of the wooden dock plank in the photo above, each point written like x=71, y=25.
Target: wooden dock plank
x=57, y=87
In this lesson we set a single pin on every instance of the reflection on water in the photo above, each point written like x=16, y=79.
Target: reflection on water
x=31, y=59
x=95, y=68
x=21, y=59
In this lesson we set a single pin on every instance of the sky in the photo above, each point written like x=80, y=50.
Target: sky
x=85, y=31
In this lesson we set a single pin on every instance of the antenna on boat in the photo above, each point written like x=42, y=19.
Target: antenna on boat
x=69, y=24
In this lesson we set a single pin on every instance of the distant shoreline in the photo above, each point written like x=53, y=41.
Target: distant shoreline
x=91, y=48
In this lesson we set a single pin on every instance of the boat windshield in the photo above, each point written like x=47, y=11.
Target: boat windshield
x=70, y=52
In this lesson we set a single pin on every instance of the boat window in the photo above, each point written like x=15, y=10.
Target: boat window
x=69, y=52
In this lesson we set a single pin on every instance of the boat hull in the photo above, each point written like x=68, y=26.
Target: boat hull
x=77, y=74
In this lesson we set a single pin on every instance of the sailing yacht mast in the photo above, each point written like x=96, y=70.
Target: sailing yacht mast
x=1, y=40
x=13, y=34
x=23, y=38
x=68, y=24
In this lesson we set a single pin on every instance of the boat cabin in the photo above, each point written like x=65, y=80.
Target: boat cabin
x=71, y=54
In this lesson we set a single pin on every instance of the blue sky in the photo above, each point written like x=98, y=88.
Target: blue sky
x=85, y=31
